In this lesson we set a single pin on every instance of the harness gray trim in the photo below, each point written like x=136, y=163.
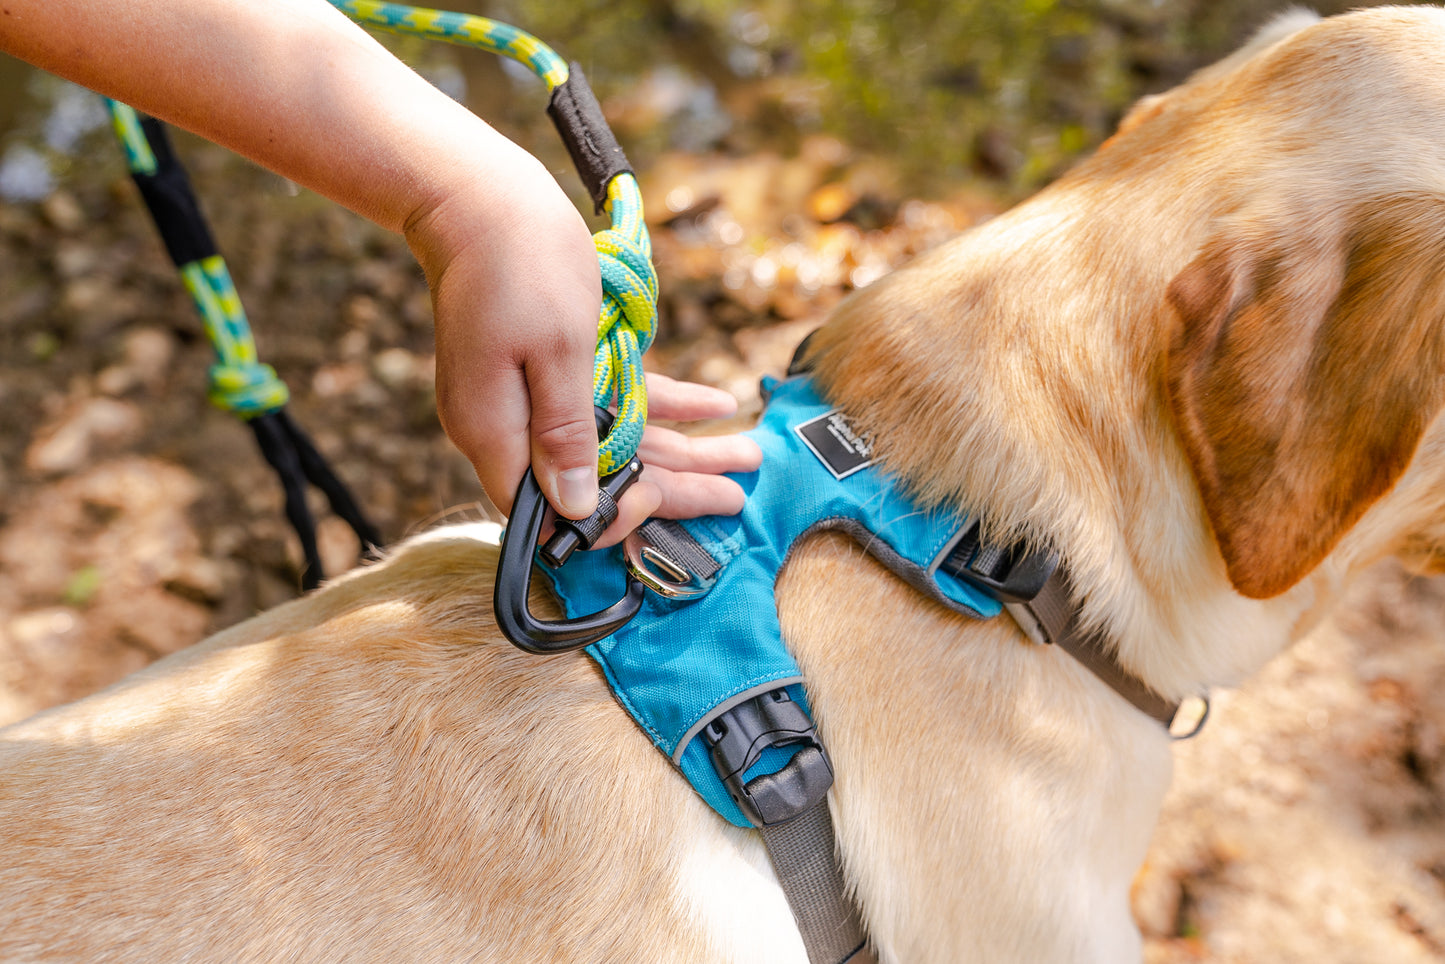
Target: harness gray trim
x=723, y=707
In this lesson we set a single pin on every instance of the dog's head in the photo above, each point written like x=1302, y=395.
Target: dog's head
x=1307, y=361
x=1241, y=295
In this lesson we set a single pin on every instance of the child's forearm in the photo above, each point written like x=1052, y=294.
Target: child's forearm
x=295, y=86
x=291, y=84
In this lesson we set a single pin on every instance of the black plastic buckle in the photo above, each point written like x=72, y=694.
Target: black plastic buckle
x=519, y=548
x=1013, y=573
x=736, y=740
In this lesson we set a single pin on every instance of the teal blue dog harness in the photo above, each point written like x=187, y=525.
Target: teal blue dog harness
x=683, y=662
x=701, y=666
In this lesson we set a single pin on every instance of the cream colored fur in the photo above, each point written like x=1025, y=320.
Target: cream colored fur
x=1125, y=368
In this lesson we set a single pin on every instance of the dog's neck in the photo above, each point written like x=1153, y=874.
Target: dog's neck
x=1012, y=374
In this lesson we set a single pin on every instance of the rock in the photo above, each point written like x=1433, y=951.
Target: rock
x=148, y=354
x=70, y=443
x=394, y=367
x=353, y=346
x=338, y=545
x=363, y=312
x=74, y=259
x=63, y=211
x=196, y=578
x=335, y=381
x=155, y=621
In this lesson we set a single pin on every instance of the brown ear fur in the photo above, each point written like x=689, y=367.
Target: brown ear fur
x=1302, y=376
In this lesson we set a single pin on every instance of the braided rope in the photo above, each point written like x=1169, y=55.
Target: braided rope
x=239, y=382
x=627, y=321
x=126, y=123
x=627, y=324
x=464, y=29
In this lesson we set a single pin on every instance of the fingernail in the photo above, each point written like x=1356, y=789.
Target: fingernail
x=577, y=491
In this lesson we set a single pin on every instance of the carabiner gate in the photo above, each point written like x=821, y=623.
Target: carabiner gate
x=520, y=547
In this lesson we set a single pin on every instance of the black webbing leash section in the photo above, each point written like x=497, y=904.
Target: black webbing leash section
x=296, y=461
x=275, y=442
x=171, y=201
x=173, y=207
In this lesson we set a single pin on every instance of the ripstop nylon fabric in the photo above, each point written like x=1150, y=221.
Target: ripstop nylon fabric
x=679, y=662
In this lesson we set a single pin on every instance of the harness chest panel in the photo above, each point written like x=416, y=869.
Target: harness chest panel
x=680, y=663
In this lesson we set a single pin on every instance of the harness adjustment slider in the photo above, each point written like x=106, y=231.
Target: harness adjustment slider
x=737, y=739
x=1010, y=574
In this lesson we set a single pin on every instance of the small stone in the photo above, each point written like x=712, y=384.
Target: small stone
x=149, y=353
x=68, y=445
x=74, y=259
x=63, y=211
x=198, y=579
x=338, y=546
x=363, y=313
x=333, y=381
x=394, y=367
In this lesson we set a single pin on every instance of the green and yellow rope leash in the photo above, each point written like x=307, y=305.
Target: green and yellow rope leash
x=239, y=382
x=628, y=319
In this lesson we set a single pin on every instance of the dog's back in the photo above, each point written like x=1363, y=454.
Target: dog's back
x=366, y=773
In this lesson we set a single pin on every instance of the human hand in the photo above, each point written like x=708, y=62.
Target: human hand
x=682, y=474
x=516, y=291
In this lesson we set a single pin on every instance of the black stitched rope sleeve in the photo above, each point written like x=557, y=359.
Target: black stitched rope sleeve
x=594, y=149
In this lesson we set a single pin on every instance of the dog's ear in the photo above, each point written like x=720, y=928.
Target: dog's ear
x=1305, y=369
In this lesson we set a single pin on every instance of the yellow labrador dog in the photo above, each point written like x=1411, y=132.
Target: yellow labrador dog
x=1206, y=367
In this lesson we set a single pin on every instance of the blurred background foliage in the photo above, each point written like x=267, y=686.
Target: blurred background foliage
x=1010, y=90
x=1004, y=90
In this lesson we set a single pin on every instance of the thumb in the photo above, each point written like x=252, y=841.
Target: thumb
x=563, y=433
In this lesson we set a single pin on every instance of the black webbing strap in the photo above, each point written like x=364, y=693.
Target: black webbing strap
x=594, y=149
x=187, y=237
x=1057, y=617
x=167, y=194
x=804, y=856
x=297, y=462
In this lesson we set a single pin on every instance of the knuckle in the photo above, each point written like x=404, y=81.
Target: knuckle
x=573, y=434
x=578, y=338
x=468, y=429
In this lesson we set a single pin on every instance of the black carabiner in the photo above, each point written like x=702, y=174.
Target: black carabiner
x=519, y=548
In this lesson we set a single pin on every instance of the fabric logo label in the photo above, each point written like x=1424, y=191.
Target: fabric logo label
x=841, y=450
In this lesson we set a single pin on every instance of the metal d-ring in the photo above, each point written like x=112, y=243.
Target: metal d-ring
x=652, y=567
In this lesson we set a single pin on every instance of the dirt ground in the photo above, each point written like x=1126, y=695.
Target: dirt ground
x=1307, y=822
